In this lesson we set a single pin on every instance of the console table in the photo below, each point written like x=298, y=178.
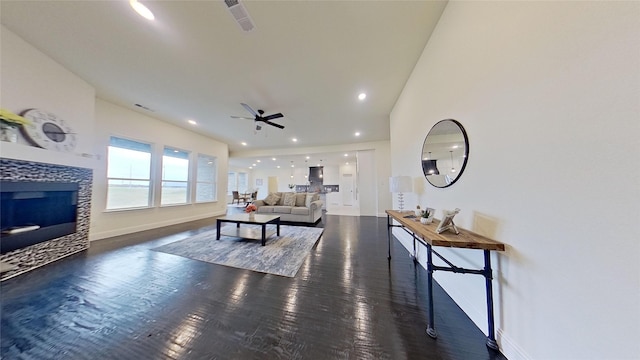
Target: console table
x=427, y=235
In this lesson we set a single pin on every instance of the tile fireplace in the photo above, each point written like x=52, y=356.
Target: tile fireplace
x=45, y=213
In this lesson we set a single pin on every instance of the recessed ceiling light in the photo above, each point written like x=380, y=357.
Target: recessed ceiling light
x=278, y=166
x=243, y=143
x=250, y=167
x=308, y=158
x=253, y=164
x=294, y=140
x=192, y=122
x=141, y=9
x=362, y=96
x=257, y=160
x=346, y=154
x=357, y=133
x=292, y=165
x=274, y=159
x=347, y=163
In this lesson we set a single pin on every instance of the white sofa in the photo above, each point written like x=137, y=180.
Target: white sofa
x=303, y=211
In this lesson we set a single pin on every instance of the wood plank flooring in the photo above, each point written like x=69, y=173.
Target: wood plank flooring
x=119, y=300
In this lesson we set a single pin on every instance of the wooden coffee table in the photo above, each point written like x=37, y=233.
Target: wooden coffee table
x=245, y=233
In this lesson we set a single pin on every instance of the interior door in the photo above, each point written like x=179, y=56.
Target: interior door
x=347, y=189
x=273, y=184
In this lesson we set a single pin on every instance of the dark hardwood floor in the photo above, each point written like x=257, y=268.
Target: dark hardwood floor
x=119, y=300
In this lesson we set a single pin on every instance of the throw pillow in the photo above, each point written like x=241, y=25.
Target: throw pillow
x=308, y=200
x=300, y=198
x=271, y=199
x=289, y=199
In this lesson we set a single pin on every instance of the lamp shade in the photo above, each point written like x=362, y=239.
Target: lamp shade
x=400, y=184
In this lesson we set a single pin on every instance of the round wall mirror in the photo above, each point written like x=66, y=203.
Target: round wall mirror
x=444, y=153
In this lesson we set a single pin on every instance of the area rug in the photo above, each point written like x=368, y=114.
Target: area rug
x=282, y=255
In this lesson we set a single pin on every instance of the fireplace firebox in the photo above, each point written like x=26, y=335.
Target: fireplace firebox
x=33, y=212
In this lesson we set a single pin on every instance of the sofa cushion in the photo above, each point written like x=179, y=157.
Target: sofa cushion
x=265, y=209
x=289, y=199
x=271, y=199
x=282, y=209
x=300, y=197
x=300, y=211
x=309, y=199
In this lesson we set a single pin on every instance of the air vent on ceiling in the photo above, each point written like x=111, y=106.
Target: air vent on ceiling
x=240, y=14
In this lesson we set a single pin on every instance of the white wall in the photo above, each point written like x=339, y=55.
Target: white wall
x=118, y=121
x=548, y=92
x=30, y=79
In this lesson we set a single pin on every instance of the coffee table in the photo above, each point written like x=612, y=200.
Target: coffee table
x=245, y=233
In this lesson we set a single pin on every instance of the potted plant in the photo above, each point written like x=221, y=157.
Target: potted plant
x=250, y=209
x=426, y=216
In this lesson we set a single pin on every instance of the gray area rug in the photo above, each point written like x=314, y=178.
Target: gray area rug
x=282, y=255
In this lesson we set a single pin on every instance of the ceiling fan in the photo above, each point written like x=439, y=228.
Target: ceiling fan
x=259, y=117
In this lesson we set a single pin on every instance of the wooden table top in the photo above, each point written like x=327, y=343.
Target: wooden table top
x=427, y=232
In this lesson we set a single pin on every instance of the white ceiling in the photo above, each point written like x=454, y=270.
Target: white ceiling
x=306, y=59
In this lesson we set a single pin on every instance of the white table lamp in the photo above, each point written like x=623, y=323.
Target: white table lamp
x=400, y=185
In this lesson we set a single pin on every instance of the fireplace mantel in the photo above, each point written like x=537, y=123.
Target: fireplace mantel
x=24, y=152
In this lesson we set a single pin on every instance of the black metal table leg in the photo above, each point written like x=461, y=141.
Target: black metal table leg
x=389, y=227
x=431, y=330
x=218, y=228
x=264, y=234
x=491, y=339
x=415, y=260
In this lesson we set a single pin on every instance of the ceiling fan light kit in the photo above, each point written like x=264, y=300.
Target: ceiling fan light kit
x=258, y=117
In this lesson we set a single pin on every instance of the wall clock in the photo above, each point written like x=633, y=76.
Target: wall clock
x=48, y=131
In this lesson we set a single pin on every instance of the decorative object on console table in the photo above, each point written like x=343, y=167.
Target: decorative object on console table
x=400, y=185
x=9, y=124
x=447, y=221
x=49, y=131
x=291, y=186
x=426, y=216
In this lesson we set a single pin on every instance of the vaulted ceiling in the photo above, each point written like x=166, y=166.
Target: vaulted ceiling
x=306, y=59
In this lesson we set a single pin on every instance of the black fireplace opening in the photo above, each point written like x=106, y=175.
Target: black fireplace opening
x=32, y=212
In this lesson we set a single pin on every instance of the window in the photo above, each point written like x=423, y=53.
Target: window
x=237, y=182
x=243, y=182
x=128, y=174
x=175, y=177
x=231, y=183
x=206, y=178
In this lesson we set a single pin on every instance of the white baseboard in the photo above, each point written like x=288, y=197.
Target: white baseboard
x=149, y=226
x=509, y=348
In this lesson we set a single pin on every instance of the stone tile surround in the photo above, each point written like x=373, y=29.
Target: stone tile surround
x=37, y=255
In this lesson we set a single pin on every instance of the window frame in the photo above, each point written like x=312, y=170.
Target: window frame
x=167, y=151
x=197, y=181
x=150, y=179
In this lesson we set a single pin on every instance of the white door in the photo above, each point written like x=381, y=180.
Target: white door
x=273, y=184
x=347, y=189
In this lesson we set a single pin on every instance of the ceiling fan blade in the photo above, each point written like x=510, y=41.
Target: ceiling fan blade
x=249, y=109
x=274, y=124
x=241, y=117
x=274, y=116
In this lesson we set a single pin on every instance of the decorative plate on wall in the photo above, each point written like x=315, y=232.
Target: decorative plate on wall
x=49, y=131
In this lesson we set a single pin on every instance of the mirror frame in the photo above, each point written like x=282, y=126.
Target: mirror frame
x=466, y=152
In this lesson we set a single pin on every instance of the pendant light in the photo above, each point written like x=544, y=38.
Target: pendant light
x=452, y=168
